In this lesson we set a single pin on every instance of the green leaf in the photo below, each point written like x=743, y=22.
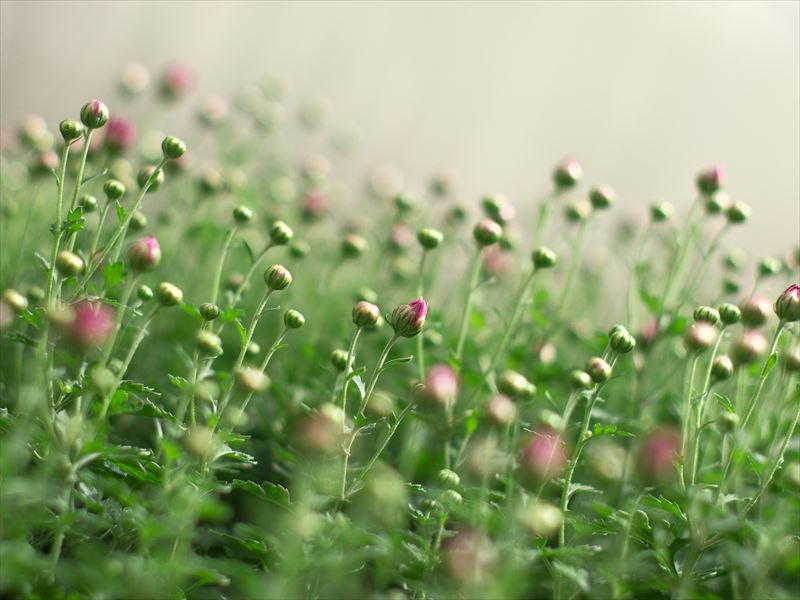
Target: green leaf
x=770, y=364
x=191, y=310
x=242, y=332
x=250, y=544
x=230, y=314
x=360, y=385
x=249, y=251
x=19, y=338
x=727, y=405
x=120, y=212
x=650, y=301
x=139, y=388
x=396, y=361
x=178, y=382
x=355, y=373
x=43, y=261
x=113, y=274
x=88, y=178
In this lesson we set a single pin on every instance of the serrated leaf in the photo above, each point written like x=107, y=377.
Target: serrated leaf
x=230, y=314
x=250, y=544
x=178, y=382
x=19, y=338
x=139, y=388
x=113, y=274
x=121, y=215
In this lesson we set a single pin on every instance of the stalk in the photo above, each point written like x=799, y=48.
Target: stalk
x=220, y=264
x=345, y=383
x=420, y=345
x=51, y=276
x=475, y=271
x=124, y=299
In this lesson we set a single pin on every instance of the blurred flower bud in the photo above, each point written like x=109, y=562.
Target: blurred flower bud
x=471, y=557
x=661, y=211
x=598, y=369
x=176, y=81
x=441, y=385
x=430, y=238
x=366, y=314
x=138, y=221
x=94, y=114
x=169, y=294
x=791, y=359
x=717, y=203
x=69, y=264
x=620, y=340
x=280, y=233
x=514, y=384
x=787, y=306
x=113, y=189
x=88, y=203
x=401, y=236
x=15, y=300
x=404, y=203
x=728, y=422
x=277, y=277
x=721, y=368
x=321, y=431
x=487, y=232
x=208, y=342
x=710, y=181
x=769, y=266
x=729, y=314
x=251, y=379
x=608, y=459
x=706, y=314
x=200, y=442
x=299, y=249
x=134, y=79
x=501, y=410
x=751, y=346
x=353, y=245
x=144, y=254
x=567, y=175
x=339, y=359
x=498, y=208
x=484, y=459
x=448, y=478
x=315, y=205
x=70, y=130
x=738, y=212
x=544, y=258
x=293, y=319
x=407, y=320
x=542, y=519
x=209, y=311
x=144, y=293
x=700, y=336
x=213, y=111
x=545, y=455
x=242, y=215
x=580, y=380
x=91, y=323
x=657, y=455
x=755, y=310
x=602, y=197
x=578, y=211
x=120, y=134
x=149, y=173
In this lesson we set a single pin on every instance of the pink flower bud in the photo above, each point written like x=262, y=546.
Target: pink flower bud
x=710, y=181
x=545, y=455
x=755, y=310
x=471, y=557
x=120, y=134
x=315, y=205
x=144, y=254
x=658, y=453
x=407, y=320
x=402, y=236
x=750, y=347
x=177, y=81
x=441, y=385
x=787, y=306
x=92, y=323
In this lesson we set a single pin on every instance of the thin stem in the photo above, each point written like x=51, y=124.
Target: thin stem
x=263, y=367
x=677, y=262
x=475, y=271
x=220, y=264
x=123, y=301
x=420, y=344
x=100, y=223
x=345, y=383
x=51, y=276
x=632, y=282
x=240, y=290
x=688, y=394
x=575, y=259
x=87, y=142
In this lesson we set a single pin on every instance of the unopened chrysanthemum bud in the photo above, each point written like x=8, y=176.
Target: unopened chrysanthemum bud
x=567, y=174
x=35, y=293
x=451, y=498
x=602, y=197
x=242, y=214
x=545, y=456
x=791, y=359
x=729, y=314
x=173, y=147
x=353, y=245
x=253, y=349
x=404, y=202
x=91, y=324
x=280, y=233
x=661, y=211
x=339, y=359
x=209, y=311
x=407, y=320
x=769, y=266
x=94, y=114
x=69, y=264
x=717, y=203
x=700, y=336
x=113, y=189
x=293, y=319
x=706, y=314
x=544, y=258
x=755, y=310
x=578, y=211
x=598, y=369
x=657, y=455
x=501, y=410
x=448, y=478
x=515, y=384
x=787, y=306
x=580, y=380
x=542, y=519
x=441, y=385
x=236, y=281
x=366, y=314
x=134, y=79
x=70, y=130
x=728, y=422
x=471, y=558
x=721, y=368
x=731, y=286
x=299, y=249
x=498, y=208
x=138, y=221
x=620, y=340
x=738, y=212
x=144, y=254
x=144, y=293
x=277, y=277
x=169, y=294
x=208, y=342
x=487, y=232
x=15, y=300
x=201, y=442
x=88, y=203
x=750, y=347
x=710, y=181
x=430, y=238
x=251, y=379
x=149, y=173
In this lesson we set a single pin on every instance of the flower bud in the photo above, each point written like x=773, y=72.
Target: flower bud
x=366, y=314
x=91, y=324
x=738, y=212
x=209, y=311
x=404, y=203
x=728, y=422
x=144, y=254
x=134, y=79
x=598, y=369
x=578, y=211
x=149, y=173
x=353, y=245
x=658, y=454
x=729, y=314
x=514, y=384
x=441, y=385
x=113, y=189
x=339, y=359
x=120, y=134
x=169, y=294
x=94, y=114
x=35, y=293
x=200, y=442
x=69, y=264
x=750, y=347
x=769, y=266
x=700, y=336
x=501, y=410
x=755, y=310
x=251, y=379
x=567, y=174
x=717, y=203
x=471, y=558
x=253, y=349
x=293, y=319
x=70, y=130
x=620, y=340
x=242, y=214
x=731, y=286
x=787, y=306
x=602, y=197
x=448, y=478
x=487, y=232
x=706, y=314
x=430, y=238
x=710, y=181
x=208, y=342
x=544, y=258
x=88, y=203
x=451, y=498
x=299, y=249
x=176, y=81
x=15, y=300
x=721, y=368
x=661, y=211
x=542, y=519
x=498, y=208
x=545, y=456
x=144, y=293
x=407, y=320
x=580, y=380
x=280, y=233
x=138, y=221
x=277, y=277
x=102, y=379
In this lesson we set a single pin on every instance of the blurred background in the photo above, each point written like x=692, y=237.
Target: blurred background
x=643, y=94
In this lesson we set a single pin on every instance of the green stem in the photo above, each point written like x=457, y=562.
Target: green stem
x=101, y=222
x=51, y=275
x=701, y=407
x=632, y=282
x=475, y=271
x=123, y=301
x=220, y=264
x=686, y=426
x=677, y=262
x=345, y=383
x=87, y=141
x=240, y=290
x=574, y=261
x=420, y=344
x=264, y=365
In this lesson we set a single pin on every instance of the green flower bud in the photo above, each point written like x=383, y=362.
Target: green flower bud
x=738, y=212
x=487, y=232
x=544, y=258
x=717, y=203
x=15, y=300
x=102, y=379
x=70, y=130
x=580, y=380
x=138, y=221
x=367, y=295
x=598, y=369
x=280, y=233
x=448, y=478
x=251, y=379
x=366, y=314
x=242, y=214
x=710, y=181
x=430, y=238
x=700, y=336
x=620, y=340
x=149, y=174
x=514, y=384
x=69, y=264
x=173, y=147
x=602, y=197
x=661, y=211
x=94, y=114
x=750, y=347
x=208, y=342
x=769, y=266
x=729, y=314
x=201, y=443
x=755, y=310
x=113, y=189
x=721, y=368
x=451, y=498
x=209, y=311
x=253, y=349
x=404, y=203
x=728, y=422
x=169, y=294
x=144, y=293
x=293, y=319
x=578, y=211
x=88, y=203
x=277, y=277
x=299, y=249
x=501, y=410
x=731, y=286
x=498, y=208
x=567, y=174
x=706, y=314
x=35, y=293
x=339, y=359
x=787, y=306
x=353, y=245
